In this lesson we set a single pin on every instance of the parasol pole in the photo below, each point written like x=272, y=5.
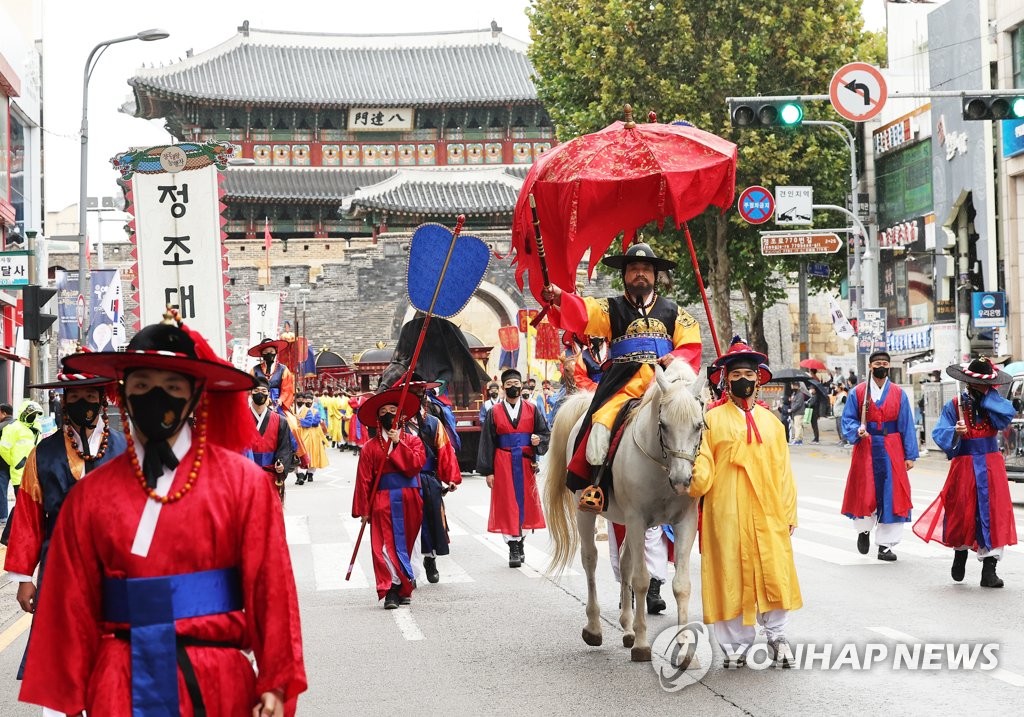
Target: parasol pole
x=543, y=264
x=703, y=291
x=406, y=378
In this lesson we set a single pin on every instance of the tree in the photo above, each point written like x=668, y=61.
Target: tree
x=682, y=58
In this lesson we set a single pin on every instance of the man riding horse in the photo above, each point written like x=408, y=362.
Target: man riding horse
x=643, y=329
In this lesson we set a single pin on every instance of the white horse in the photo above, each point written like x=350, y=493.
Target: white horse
x=652, y=468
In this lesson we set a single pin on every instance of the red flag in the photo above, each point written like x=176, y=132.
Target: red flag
x=266, y=234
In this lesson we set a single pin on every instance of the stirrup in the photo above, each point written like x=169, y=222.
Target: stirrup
x=591, y=499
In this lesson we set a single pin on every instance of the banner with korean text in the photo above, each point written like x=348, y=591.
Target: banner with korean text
x=66, y=283
x=264, y=315
x=106, y=311
x=181, y=261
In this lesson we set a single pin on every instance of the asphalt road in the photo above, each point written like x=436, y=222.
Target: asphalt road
x=492, y=640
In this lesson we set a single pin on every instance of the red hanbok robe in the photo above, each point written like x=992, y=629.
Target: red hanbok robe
x=878, y=476
x=231, y=518
x=974, y=508
x=397, y=497
x=515, y=502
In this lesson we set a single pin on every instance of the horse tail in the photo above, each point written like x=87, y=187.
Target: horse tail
x=559, y=501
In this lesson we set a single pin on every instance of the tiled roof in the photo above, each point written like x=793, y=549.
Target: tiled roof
x=309, y=69
x=484, y=192
x=310, y=185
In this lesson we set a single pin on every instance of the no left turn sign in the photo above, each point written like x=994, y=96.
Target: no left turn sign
x=858, y=91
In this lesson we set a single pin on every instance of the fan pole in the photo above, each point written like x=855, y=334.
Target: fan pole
x=703, y=291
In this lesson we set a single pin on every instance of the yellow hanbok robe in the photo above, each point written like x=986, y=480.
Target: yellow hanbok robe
x=749, y=505
x=345, y=410
x=334, y=418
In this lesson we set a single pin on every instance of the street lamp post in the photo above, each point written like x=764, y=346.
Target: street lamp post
x=83, y=246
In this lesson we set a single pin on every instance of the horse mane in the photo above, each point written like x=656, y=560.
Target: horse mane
x=681, y=406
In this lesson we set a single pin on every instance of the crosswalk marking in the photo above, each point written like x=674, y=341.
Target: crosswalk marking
x=494, y=544
x=296, y=528
x=830, y=554
x=998, y=673
x=407, y=624
x=330, y=561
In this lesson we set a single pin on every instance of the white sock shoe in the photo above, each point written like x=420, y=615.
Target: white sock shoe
x=597, y=444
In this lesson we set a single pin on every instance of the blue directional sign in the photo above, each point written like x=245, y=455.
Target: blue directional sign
x=817, y=269
x=756, y=205
x=988, y=309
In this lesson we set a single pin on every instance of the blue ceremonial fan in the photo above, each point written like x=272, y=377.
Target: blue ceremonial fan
x=443, y=275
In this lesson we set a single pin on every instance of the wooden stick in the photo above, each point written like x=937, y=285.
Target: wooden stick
x=703, y=292
x=543, y=263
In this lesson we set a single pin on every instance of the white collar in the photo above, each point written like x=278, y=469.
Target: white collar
x=876, y=391
x=151, y=511
x=95, y=439
x=513, y=411
x=260, y=418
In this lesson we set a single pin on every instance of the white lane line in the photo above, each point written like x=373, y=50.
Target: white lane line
x=998, y=673
x=296, y=528
x=455, y=530
x=495, y=545
x=830, y=554
x=451, y=572
x=912, y=545
x=407, y=624
x=330, y=561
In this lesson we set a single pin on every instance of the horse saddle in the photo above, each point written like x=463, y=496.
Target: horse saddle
x=593, y=499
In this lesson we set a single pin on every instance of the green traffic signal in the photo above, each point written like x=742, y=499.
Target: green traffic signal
x=992, y=107
x=791, y=113
x=1017, y=107
x=762, y=114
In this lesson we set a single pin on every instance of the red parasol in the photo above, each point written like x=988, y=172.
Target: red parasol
x=813, y=364
x=590, y=189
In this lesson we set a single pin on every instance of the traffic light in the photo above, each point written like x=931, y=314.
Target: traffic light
x=987, y=107
x=34, y=298
x=760, y=114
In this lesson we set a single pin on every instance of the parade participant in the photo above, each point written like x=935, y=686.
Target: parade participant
x=885, y=448
x=335, y=418
x=744, y=476
x=493, y=398
x=17, y=441
x=440, y=475
x=514, y=434
x=590, y=364
x=546, y=401
x=311, y=434
x=389, y=466
x=183, y=515
x=344, y=403
x=974, y=510
x=643, y=329
x=279, y=376
x=272, y=451
x=62, y=458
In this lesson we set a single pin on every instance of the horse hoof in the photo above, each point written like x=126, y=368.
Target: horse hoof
x=592, y=638
x=640, y=654
x=627, y=640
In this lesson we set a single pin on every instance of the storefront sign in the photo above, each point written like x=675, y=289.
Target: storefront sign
x=910, y=341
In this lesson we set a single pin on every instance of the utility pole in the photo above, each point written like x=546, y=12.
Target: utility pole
x=804, y=332
x=33, y=346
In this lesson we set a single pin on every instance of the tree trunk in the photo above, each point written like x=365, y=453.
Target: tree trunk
x=717, y=279
x=755, y=310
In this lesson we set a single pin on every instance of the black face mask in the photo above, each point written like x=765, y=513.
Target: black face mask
x=260, y=398
x=268, y=359
x=742, y=387
x=157, y=414
x=387, y=421
x=513, y=391
x=976, y=396
x=493, y=394
x=880, y=372
x=83, y=414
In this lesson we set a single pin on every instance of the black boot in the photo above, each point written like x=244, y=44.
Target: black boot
x=391, y=598
x=655, y=603
x=514, y=559
x=300, y=478
x=430, y=568
x=309, y=476
x=886, y=554
x=989, y=579
x=864, y=542
x=959, y=565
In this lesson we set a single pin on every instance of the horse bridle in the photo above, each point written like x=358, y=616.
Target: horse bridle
x=666, y=452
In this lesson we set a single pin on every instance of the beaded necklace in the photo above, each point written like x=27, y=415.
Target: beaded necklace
x=193, y=474
x=70, y=433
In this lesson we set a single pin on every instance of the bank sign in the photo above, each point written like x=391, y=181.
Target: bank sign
x=988, y=309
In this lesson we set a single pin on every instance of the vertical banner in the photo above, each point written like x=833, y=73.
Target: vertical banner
x=871, y=331
x=264, y=315
x=106, y=311
x=67, y=311
x=175, y=199
x=840, y=323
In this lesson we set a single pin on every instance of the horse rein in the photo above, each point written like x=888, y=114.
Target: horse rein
x=666, y=452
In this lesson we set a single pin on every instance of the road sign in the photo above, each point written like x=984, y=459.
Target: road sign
x=788, y=244
x=794, y=205
x=858, y=91
x=13, y=269
x=988, y=309
x=816, y=269
x=756, y=204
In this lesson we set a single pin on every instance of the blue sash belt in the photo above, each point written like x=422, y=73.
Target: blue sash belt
x=887, y=428
x=514, y=443
x=150, y=606
x=977, y=446
x=263, y=460
x=645, y=349
x=393, y=483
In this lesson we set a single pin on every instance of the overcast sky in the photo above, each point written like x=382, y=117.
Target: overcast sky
x=72, y=27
